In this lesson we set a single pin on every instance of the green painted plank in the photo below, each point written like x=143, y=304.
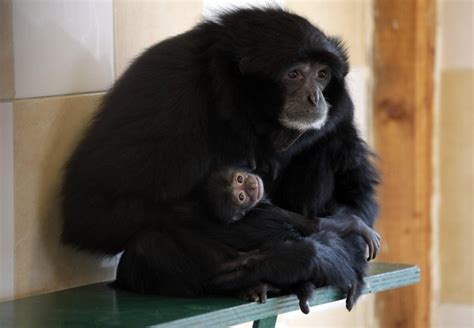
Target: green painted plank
x=265, y=323
x=99, y=305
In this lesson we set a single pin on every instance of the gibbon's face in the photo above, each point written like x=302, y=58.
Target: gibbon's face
x=305, y=106
x=232, y=193
x=245, y=190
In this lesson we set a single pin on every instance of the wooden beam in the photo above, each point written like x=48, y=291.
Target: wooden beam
x=403, y=104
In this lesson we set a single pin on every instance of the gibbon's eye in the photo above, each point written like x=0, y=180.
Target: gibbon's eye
x=324, y=74
x=241, y=197
x=294, y=74
x=240, y=179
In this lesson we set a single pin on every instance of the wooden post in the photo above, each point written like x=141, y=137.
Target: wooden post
x=403, y=104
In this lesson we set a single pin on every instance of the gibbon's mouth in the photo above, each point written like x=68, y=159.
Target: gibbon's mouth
x=311, y=118
x=256, y=197
x=304, y=122
x=259, y=189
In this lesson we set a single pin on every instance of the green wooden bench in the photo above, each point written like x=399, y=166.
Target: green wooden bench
x=98, y=305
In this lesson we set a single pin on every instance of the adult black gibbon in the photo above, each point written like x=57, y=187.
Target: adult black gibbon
x=259, y=88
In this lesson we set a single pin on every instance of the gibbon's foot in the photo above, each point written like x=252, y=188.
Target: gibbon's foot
x=258, y=293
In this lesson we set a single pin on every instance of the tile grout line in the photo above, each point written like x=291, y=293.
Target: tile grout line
x=76, y=94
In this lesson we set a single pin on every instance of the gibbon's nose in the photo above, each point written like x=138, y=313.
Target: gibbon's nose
x=313, y=98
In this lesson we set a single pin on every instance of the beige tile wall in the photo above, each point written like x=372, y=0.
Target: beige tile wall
x=7, y=260
x=348, y=19
x=455, y=143
x=332, y=315
x=62, y=47
x=6, y=51
x=46, y=131
x=139, y=24
x=7, y=221
x=457, y=184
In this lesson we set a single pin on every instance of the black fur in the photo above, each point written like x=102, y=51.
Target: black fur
x=211, y=97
